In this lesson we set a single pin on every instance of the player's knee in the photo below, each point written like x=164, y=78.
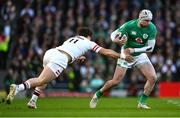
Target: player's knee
x=152, y=78
x=111, y=83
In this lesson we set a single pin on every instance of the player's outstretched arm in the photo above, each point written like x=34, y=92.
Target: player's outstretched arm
x=115, y=55
x=109, y=53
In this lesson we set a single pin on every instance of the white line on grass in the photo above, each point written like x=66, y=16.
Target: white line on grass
x=173, y=102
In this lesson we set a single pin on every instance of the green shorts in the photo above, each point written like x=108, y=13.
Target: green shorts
x=138, y=60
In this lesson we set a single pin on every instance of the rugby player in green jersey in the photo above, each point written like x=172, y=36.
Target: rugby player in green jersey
x=138, y=37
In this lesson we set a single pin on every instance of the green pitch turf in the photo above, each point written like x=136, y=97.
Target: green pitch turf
x=79, y=107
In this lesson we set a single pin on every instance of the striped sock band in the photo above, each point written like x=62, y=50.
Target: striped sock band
x=37, y=92
x=26, y=85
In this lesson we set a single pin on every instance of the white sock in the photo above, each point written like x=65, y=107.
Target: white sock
x=23, y=86
x=34, y=98
x=36, y=94
x=20, y=87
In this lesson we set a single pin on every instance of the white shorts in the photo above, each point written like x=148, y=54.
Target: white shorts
x=55, y=60
x=138, y=60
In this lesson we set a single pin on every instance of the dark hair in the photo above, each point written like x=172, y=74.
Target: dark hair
x=85, y=31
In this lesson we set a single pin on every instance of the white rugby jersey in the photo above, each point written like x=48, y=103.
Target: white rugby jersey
x=77, y=46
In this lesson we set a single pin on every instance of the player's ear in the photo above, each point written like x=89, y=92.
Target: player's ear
x=89, y=37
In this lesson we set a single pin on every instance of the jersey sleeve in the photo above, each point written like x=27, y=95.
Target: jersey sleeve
x=95, y=47
x=153, y=33
x=122, y=28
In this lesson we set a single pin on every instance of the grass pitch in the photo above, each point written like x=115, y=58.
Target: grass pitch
x=79, y=107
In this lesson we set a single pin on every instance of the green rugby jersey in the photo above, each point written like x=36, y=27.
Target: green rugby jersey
x=137, y=36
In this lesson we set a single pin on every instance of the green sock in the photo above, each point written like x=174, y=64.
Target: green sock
x=143, y=98
x=99, y=94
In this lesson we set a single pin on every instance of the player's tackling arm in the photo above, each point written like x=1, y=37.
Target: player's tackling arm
x=109, y=53
x=115, y=55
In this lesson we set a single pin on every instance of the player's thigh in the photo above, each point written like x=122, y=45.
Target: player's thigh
x=42, y=87
x=54, y=63
x=46, y=75
x=145, y=66
x=119, y=73
x=148, y=70
x=50, y=72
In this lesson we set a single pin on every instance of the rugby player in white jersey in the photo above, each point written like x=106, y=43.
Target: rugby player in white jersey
x=57, y=59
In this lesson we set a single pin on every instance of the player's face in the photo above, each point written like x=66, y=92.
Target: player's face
x=145, y=23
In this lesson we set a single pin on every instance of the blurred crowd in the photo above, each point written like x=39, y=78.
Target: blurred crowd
x=33, y=26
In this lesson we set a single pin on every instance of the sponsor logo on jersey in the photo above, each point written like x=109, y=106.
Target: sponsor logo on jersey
x=133, y=32
x=139, y=40
x=145, y=36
